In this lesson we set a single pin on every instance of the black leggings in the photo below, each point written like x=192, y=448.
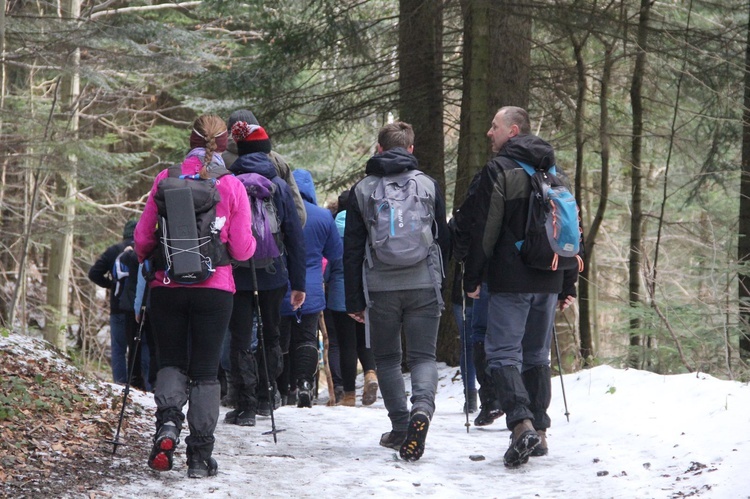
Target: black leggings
x=189, y=326
x=351, y=341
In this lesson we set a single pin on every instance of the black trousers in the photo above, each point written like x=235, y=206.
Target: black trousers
x=189, y=326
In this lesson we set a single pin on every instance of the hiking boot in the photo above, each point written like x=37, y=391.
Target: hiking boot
x=349, y=399
x=416, y=434
x=230, y=398
x=231, y=416
x=245, y=418
x=370, y=390
x=487, y=415
x=522, y=442
x=264, y=408
x=201, y=468
x=165, y=442
x=304, y=394
x=291, y=398
x=393, y=439
x=471, y=402
x=338, y=392
x=541, y=449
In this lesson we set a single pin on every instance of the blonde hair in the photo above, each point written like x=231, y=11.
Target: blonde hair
x=209, y=126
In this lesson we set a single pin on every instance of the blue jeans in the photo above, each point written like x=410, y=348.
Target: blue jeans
x=119, y=346
x=415, y=312
x=466, y=358
x=520, y=329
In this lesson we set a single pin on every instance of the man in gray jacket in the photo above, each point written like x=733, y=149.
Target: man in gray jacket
x=394, y=286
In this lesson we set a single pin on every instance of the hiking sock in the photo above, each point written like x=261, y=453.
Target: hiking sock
x=416, y=434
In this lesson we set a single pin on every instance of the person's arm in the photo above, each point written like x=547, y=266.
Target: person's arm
x=463, y=220
x=240, y=240
x=140, y=290
x=355, y=240
x=443, y=235
x=294, y=241
x=489, y=208
x=101, y=272
x=333, y=249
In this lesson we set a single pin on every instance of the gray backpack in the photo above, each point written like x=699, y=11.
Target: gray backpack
x=399, y=211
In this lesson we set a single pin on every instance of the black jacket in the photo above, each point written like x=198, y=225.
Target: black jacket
x=101, y=272
x=500, y=211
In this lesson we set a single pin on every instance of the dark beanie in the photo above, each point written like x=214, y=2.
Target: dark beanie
x=250, y=138
x=127, y=231
x=242, y=115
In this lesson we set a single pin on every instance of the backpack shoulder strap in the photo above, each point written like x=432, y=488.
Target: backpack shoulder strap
x=531, y=170
x=175, y=171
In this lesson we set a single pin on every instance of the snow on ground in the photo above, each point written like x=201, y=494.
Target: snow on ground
x=631, y=434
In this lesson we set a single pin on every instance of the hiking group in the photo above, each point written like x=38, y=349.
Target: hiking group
x=242, y=267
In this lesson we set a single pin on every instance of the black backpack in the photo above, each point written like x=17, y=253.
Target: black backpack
x=125, y=275
x=189, y=233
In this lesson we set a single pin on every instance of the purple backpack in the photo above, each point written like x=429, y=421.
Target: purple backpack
x=266, y=224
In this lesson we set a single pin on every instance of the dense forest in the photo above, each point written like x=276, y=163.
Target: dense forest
x=646, y=103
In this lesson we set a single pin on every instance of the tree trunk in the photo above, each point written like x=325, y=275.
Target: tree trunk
x=636, y=216
x=61, y=248
x=743, y=243
x=586, y=298
x=420, y=51
x=496, y=73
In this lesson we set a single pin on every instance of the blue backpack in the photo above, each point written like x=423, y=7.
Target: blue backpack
x=552, y=240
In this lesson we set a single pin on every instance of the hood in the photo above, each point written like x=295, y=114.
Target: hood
x=257, y=162
x=392, y=161
x=305, y=185
x=530, y=149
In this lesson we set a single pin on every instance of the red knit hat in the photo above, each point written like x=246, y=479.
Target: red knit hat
x=250, y=138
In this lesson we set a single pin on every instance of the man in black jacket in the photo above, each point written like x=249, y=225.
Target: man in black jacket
x=101, y=274
x=522, y=299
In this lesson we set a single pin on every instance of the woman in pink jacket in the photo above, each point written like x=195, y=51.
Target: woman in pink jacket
x=189, y=320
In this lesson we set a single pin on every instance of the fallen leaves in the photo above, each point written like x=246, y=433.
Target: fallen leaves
x=54, y=424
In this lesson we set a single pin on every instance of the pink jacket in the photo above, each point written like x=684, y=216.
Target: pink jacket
x=236, y=233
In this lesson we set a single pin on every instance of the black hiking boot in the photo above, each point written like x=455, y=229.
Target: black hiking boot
x=304, y=394
x=231, y=416
x=165, y=442
x=246, y=418
x=393, y=439
x=201, y=468
x=264, y=408
x=522, y=442
x=488, y=414
x=416, y=434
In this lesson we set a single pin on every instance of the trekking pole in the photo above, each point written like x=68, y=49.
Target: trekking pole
x=465, y=348
x=559, y=366
x=126, y=391
x=264, y=356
